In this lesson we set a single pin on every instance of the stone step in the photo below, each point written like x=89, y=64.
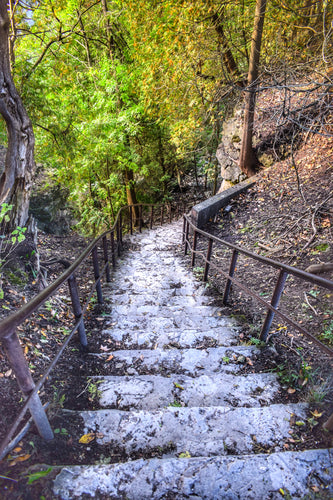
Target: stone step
x=191, y=362
x=195, y=431
x=169, y=286
x=164, y=324
x=279, y=475
x=131, y=337
x=132, y=311
x=162, y=299
x=155, y=391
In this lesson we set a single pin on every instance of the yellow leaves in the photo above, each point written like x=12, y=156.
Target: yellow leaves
x=87, y=438
x=316, y=414
x=20, y=458
x=178, y=386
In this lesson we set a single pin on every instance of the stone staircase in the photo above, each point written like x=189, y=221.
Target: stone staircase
x=176, y=386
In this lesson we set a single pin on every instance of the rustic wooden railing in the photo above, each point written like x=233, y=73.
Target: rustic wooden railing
x=129, y=218
x=190, y=241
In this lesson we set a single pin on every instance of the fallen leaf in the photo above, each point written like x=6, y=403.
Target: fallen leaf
x=21, y=458
x=291, y=390
x=178, y=386
x=110, y=357
x=87, y=438
x=316, y=414
x=281, y=491
x=104, y=348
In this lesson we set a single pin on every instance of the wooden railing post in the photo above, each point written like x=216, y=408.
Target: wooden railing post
x=195, y=239
x=151, y=217
x=208, y=256
x=162, y=215
x=106, y=259
x=96, y=274
x=131, y=219
x=121, y=228
x=76, y=306
x=184, y=226
x=20, y=367
x=140, y=218
x=118, y=238
x=113, y=255
x=187, y=229
x=283, y=275
x=231, y=273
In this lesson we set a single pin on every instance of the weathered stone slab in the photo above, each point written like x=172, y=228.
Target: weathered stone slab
x=191, y=362
x=168, y=321
x=244, y=478
x=180, y=430
x=201, y=213
x=154, y=391
x=130, y=338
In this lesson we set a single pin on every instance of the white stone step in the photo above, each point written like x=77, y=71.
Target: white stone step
x=250, y=477
x=195, y=431
x=164, y=324
x=192, y=362
x=161, y=289
x=154, y=391
x=162, y=299
x=131, y=337
x=132, y=311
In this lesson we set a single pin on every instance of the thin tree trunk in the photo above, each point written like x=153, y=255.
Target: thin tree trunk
x=16, y=180
x=131, y=194
x=227, y=56
x=248, y=161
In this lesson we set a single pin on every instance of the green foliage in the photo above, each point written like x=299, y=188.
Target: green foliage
x=35, y=476
x=8, y=243
x=143, y=87
x=327, y=333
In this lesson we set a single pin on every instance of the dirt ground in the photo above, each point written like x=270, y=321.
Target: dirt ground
x=286, y=216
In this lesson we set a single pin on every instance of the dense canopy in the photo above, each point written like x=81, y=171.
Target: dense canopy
x=125, y=96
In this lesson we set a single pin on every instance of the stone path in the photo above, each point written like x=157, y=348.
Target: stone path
x=183, y=394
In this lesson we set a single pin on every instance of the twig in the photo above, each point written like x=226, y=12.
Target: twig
x=84, y=390
x=315, y=231
x=308, y=303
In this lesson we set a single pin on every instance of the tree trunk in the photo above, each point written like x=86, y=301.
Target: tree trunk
x=16, y=180
x=131, y=194
x=248, y=161
x=227, y=56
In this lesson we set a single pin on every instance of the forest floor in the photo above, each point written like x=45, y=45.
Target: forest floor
x=287, y=216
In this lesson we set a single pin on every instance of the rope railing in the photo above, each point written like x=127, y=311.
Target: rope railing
x=190, y=244
x=128, y=219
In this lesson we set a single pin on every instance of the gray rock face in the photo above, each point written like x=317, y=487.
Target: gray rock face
x=176, y=386
x=228, y=151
